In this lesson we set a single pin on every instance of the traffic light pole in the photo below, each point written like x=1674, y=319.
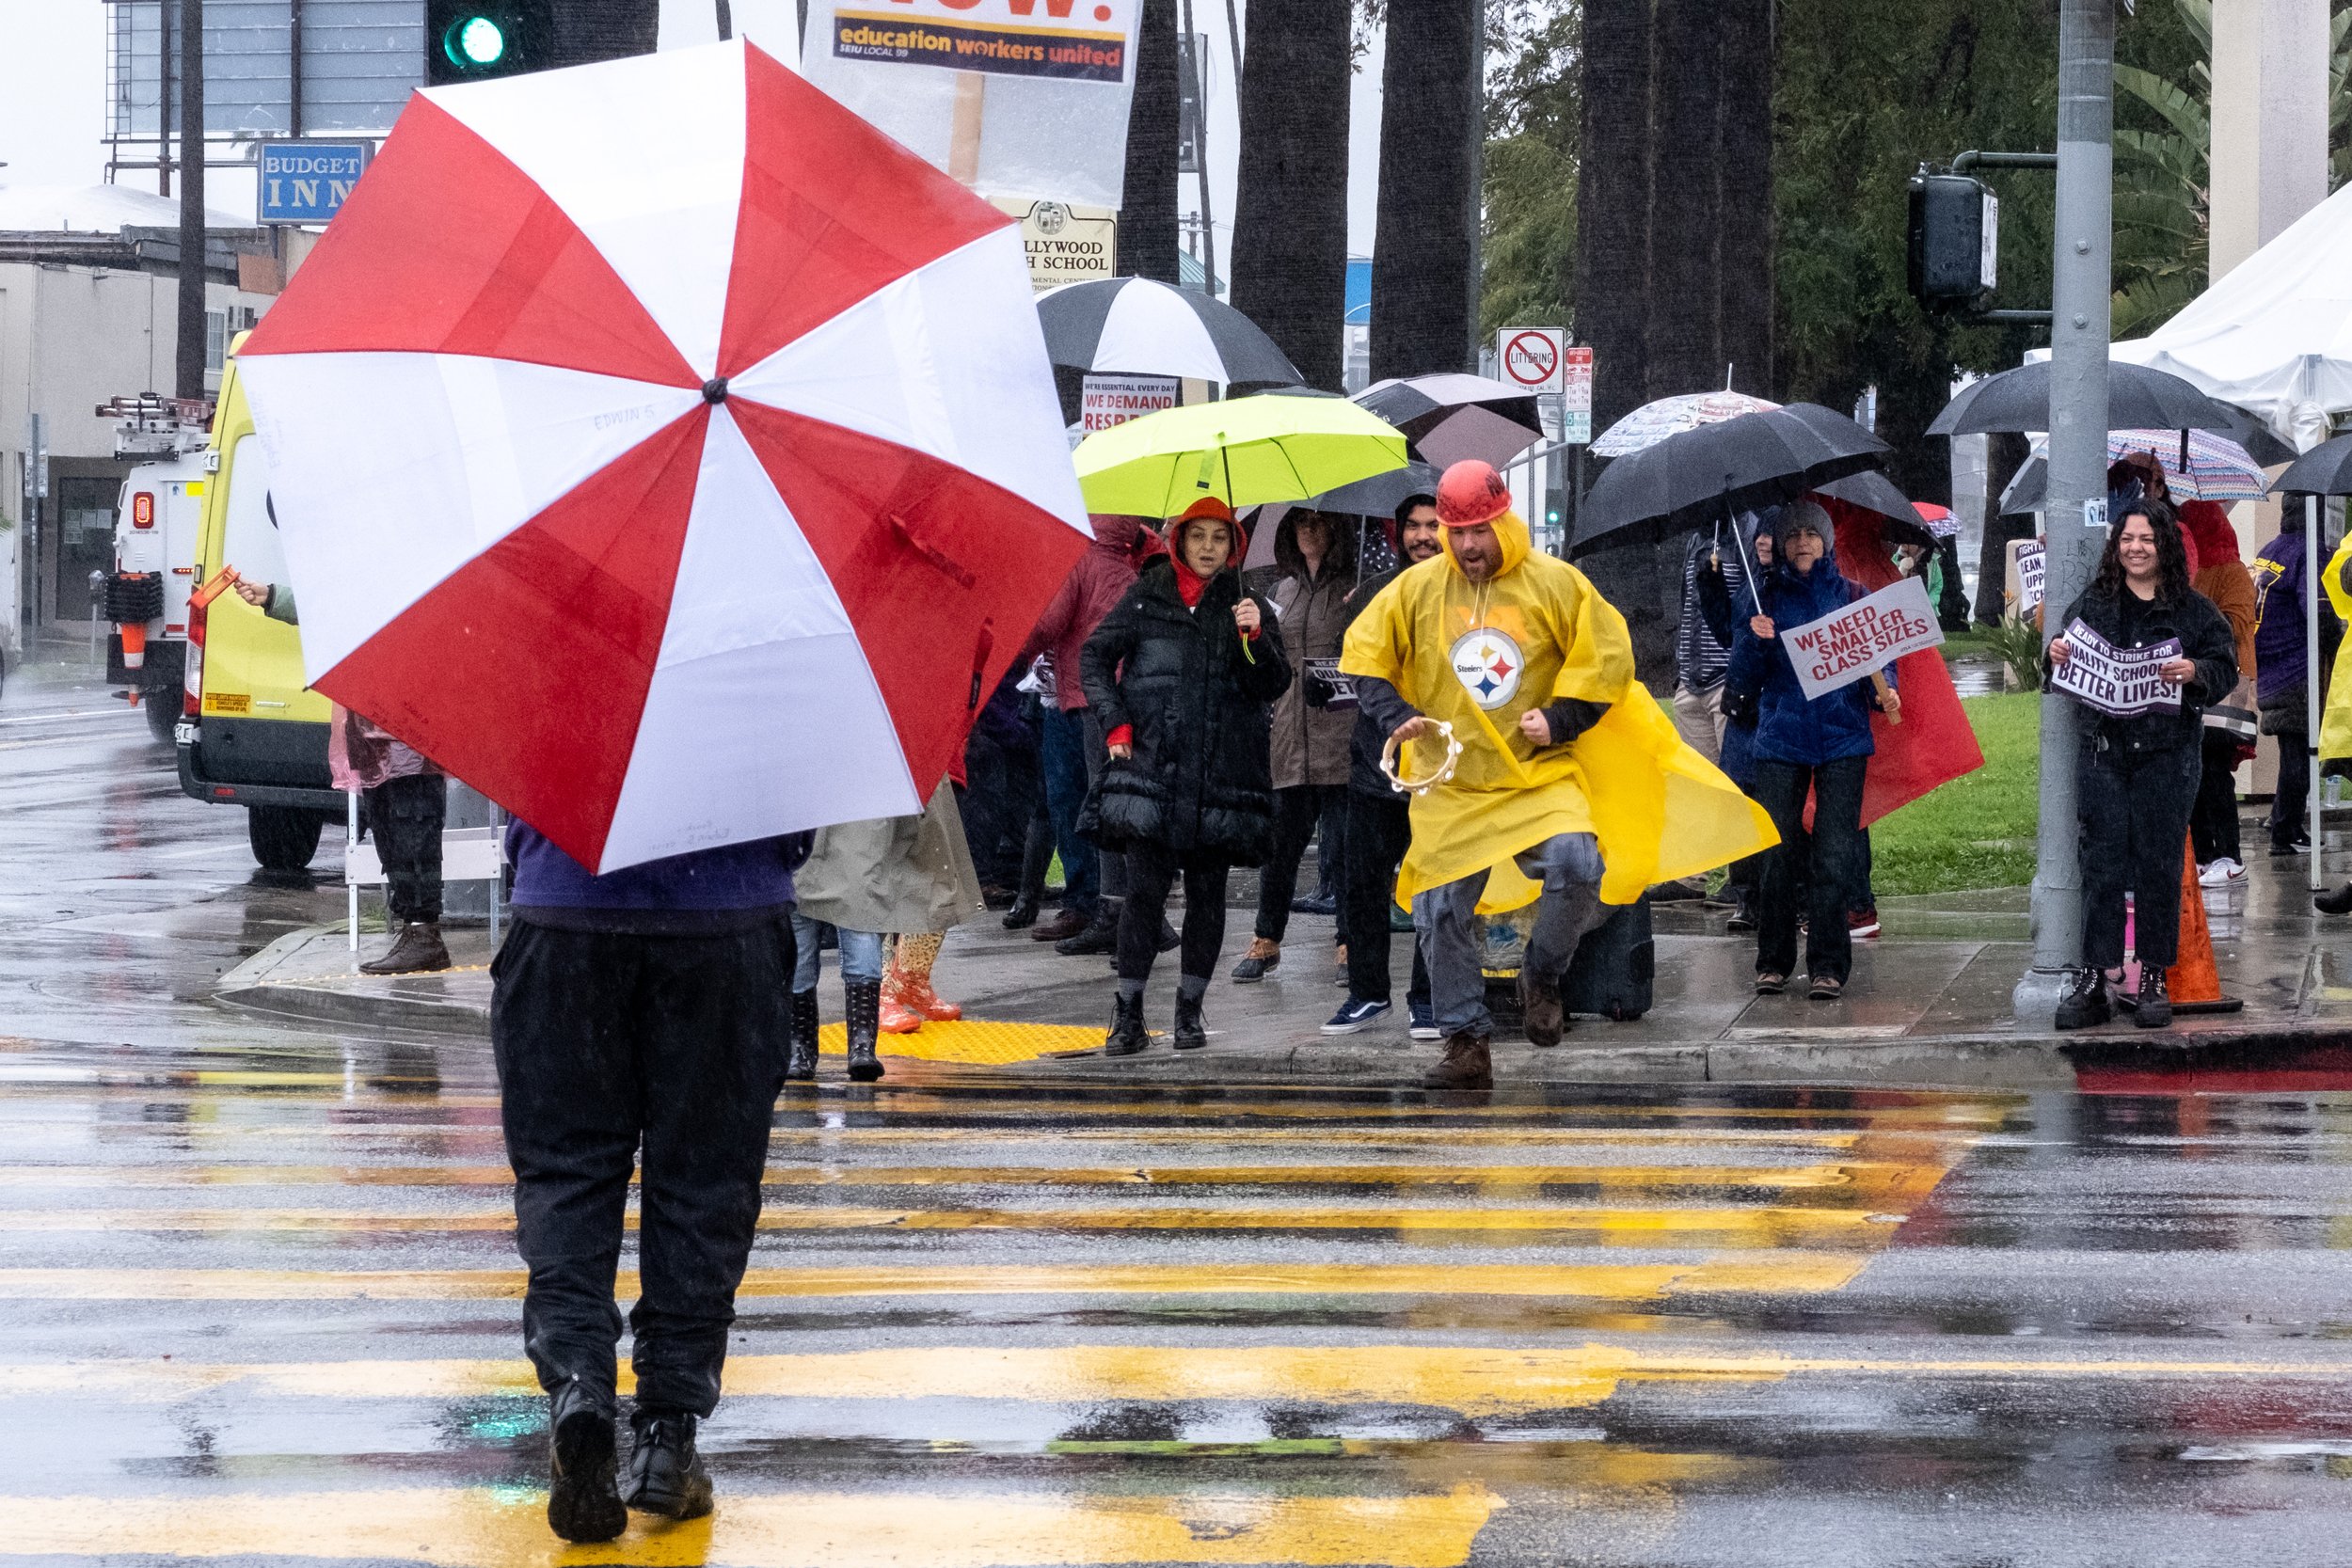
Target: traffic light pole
x=2074, y=521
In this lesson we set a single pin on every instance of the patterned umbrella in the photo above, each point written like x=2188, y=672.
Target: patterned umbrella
x=1654, y=422
x=2218, y=468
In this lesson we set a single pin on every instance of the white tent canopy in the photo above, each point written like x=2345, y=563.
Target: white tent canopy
x=2273, y=335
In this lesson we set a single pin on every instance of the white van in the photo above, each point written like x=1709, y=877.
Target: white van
x=157, y=521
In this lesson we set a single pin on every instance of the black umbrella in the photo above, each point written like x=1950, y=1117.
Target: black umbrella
x=1136, y=327
x=2137, y=399
x=1449, y=417
x=2323, y=470
x=1873, y=491
x=1380, y=495
x=1688, y=479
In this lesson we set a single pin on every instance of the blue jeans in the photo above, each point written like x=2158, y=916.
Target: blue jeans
x=861, y=953
x=1064, y=755
x=1445, y=923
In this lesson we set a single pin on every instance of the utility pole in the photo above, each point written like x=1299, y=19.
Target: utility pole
x=2077, y=516
x=188, y=380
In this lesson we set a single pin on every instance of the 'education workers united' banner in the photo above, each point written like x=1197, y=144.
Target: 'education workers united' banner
x=1861, y=638
x=2118, y=681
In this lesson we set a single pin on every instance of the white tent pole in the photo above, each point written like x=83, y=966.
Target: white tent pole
x=2312, y=566
x=351, y=842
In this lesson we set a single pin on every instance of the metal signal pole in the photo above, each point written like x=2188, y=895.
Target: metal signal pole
x=188, y=378
x=2076, y=516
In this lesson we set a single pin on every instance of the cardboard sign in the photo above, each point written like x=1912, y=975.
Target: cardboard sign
x=2121, y=682
x=1113, y=400
x=2032, y=565
x=1861, y=638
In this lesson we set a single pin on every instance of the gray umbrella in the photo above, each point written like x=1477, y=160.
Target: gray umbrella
x=2137, y=399
x=2323, y=470
x=1873, y=491
x=1137, y=327
x=1452, y=417
x=1690, y=478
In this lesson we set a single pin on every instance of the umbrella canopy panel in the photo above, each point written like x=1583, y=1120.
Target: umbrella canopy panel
x=1654, y=422
x=1454, y=418
x=2323, y=470
x=1137, y=327
x=649, y=438
x=1244, y=450
x=2018, y=401
x=1776, y=454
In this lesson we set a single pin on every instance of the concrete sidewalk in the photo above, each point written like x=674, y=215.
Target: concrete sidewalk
x=1928, y=1003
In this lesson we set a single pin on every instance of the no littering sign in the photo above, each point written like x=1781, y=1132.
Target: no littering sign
x=1534, y=357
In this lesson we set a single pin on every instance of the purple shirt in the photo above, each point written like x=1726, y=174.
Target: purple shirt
x=733, y=886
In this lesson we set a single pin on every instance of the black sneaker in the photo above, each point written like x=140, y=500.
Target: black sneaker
x=2152, y=1008
x=1354, y=1015
x=665, y=1474
x=2085, y=1002
x=583, y=1499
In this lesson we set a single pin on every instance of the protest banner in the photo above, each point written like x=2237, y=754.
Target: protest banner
x=1109, y=399
x=2121, y=682
x=1863, y=638
x=2032, y=561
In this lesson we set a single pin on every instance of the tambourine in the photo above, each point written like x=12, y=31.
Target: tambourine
x=1421, y=787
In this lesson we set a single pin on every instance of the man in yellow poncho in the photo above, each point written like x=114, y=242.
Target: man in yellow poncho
x=1571, y=784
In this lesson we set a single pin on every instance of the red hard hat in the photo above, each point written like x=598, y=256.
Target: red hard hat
x=1470, y=493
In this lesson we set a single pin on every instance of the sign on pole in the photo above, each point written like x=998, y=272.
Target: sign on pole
x=2032, y=561
x=1576, y=401
x=1065, y=244
x=1866, y=637
x=305, y=181
x=1534, y=358
x=1109, y=400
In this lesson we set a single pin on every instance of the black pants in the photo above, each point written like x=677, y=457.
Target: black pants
x=2290, y=807
x=1828, y=856
x=1005, y=791
x=1378, y=832
x=2134, y=819
x=1151, y=872
x=2212, y=822
x=608, y=1044
x=1295, y=814
x=406, y=818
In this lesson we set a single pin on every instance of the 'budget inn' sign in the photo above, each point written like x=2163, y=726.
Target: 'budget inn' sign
x=306, y=181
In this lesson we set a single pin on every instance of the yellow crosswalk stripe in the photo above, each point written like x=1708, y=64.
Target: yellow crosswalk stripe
x=1736, y=1271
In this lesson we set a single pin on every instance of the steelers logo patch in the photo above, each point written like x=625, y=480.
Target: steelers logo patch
x=1488, y=662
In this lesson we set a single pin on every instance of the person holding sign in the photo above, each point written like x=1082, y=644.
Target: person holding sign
x=1816, y=745
x=2144, y=652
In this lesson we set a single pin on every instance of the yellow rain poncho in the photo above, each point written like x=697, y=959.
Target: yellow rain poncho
x=2335, y=720
x=1480, y=655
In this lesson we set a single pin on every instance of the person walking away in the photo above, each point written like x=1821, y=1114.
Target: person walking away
x=2282, y=605
x=1002, y=792
x=1181, y=675
x=910, y=875
x=1317, y=559
x=637, y=1018
x=2140, y=775
x=1700, y=658
x=1379, y=824
x=1726, y=600
x=2218, y=573
x=1121, y=547
x=1818, y=746
x=1559, y=795
x=2335, y=716
x=404, y=802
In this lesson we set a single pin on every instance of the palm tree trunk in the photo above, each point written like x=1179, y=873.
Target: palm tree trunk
x=1423, y=251
x=1686, y=279
x=1290, y=217
x=1147, y=209
x=1613, y=205
x=588, y=30
x=1744, y=124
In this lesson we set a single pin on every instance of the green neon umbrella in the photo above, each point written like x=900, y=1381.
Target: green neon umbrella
x=1244, y=450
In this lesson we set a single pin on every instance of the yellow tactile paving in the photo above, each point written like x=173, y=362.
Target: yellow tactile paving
x=974, y=1041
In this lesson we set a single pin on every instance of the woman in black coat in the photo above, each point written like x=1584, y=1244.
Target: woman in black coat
x=1181, y=672
x=2140, y=775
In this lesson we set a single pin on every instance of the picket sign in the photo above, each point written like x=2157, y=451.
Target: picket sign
x=1863, y=638
x=2118, y=681
x=2032, y=562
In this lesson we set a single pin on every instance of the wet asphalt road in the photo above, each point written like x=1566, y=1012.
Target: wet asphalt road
x=261, y=1299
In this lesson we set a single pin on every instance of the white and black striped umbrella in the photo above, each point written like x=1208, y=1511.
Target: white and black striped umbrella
x=1450, y=418
x=1137, y=327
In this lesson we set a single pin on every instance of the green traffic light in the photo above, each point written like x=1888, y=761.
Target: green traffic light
x=476, y=42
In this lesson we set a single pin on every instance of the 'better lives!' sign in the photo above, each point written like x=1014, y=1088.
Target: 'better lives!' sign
x=1865, y=637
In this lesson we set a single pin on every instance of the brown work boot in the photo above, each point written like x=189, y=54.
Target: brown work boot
x=1545, y=1019
x=1465, y=1065
x=419, y=948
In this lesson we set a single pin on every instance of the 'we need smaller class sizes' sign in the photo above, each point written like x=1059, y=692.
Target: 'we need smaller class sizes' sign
x=1861, y=638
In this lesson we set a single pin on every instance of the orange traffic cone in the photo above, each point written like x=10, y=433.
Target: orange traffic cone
x=2193, y=980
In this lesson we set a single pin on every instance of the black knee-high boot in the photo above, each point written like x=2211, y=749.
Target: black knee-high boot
x=864, y=1002
x=802, y=1062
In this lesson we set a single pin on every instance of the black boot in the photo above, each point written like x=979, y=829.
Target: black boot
x=665, y=1474
x=1127, y=1037
x=2152, y=1007
x=2085, y=1002
x=416, y=950
x=802, y=1062
x=583, y=1501
x=1022, y=914
x=2334, y=901
x=1100, y=936
x=1544, y=1018
x=864, y=1004
x=1190, y=1035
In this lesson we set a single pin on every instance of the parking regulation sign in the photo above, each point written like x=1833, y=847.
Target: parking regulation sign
x=1534, y=358
x=306, y=181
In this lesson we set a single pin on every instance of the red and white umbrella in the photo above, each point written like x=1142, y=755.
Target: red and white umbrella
x=664, y=452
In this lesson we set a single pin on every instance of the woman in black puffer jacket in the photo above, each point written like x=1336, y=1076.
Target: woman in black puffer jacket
x=1181, y=672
